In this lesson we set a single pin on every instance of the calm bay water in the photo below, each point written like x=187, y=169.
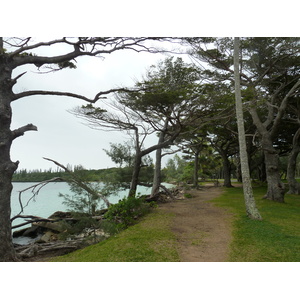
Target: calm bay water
x=47, y=202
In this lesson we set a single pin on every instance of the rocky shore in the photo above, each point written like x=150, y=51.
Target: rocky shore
x=45, y=235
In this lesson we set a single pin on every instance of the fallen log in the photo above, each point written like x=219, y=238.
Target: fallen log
x=29, y=251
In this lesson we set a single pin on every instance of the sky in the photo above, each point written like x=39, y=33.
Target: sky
x=61, y=136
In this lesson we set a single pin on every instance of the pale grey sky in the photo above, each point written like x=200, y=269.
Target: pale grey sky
x=61, y=136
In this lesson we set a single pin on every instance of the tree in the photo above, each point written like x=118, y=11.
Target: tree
x=170, y=99
x=22, y=52
x=165, y=102
x=251, y=209
x=121, y=154
x=124, y=118
x=87, y=196
x=270, y=78
x=294, y=185
x=124, y=156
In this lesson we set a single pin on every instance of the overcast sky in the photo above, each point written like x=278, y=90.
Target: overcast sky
x=61, y=136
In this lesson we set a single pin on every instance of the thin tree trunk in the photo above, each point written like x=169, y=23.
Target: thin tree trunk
x=251, y=209
x=135, y=175
x=157, y=170
x=196, y=169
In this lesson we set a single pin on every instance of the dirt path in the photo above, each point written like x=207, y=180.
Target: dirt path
x=203, y=230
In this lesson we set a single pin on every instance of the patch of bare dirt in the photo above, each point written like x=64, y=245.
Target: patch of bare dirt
x=203, y=230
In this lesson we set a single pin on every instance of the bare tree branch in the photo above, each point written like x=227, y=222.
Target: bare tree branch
x=81, y=184
x=35, y=190
x=67, y=94
x=94, y=46
x=20, y=131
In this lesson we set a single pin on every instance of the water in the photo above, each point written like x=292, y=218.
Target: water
x=47, y=202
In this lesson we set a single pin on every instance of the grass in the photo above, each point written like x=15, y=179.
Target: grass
x=151, y=240
x=274, y=239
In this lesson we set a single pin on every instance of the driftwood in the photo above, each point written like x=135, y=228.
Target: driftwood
x=31, y=250
x=34, y=219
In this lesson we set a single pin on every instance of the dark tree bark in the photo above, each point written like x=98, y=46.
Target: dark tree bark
x=276, y=187
x=7, y=167
x=224, y=149
x=135, y=175
x=227, y=172
x=294, y=185
x=140, y=153
x=276, y=190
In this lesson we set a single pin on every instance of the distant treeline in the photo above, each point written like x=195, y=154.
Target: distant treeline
x=41, y=175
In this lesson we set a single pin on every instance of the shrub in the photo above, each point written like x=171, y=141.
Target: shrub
x=127, y=211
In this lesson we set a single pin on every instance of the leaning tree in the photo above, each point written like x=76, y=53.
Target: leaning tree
x=16, y=52
x=171, y=100
x=270, y=79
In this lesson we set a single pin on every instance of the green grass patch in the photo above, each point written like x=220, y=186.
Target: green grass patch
x=151, y=240
x=275, y=238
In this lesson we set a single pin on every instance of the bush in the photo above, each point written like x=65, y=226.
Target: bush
x=127, y=211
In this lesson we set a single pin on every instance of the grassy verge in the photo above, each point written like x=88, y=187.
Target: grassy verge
x=151, y=240
x=276, y=238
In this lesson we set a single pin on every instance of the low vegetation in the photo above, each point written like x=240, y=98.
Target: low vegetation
x=150, y=240
x=274, y=239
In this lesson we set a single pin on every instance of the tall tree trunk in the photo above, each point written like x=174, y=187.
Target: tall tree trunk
x=157, y=169
x=226, y=169
x=276, y=189
x=157, y=173
x=294, y=185
x=238, y=172
x=7, y=168
x=135, y=175
x=196, y=169
x=251, y=209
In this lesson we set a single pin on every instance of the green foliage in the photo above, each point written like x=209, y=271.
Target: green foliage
x=175, y=169
x=170, y=86
x=81, y=200
x=187, y=195
x=24, y=175
x=121, y=154
x=127, y=211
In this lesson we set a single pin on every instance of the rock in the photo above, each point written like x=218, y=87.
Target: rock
x=18, y=233
x=47, y=237
x=32, y=231
x=61, y=215
x=57, y=226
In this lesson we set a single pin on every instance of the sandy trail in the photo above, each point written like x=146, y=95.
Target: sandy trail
x=203, y=230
